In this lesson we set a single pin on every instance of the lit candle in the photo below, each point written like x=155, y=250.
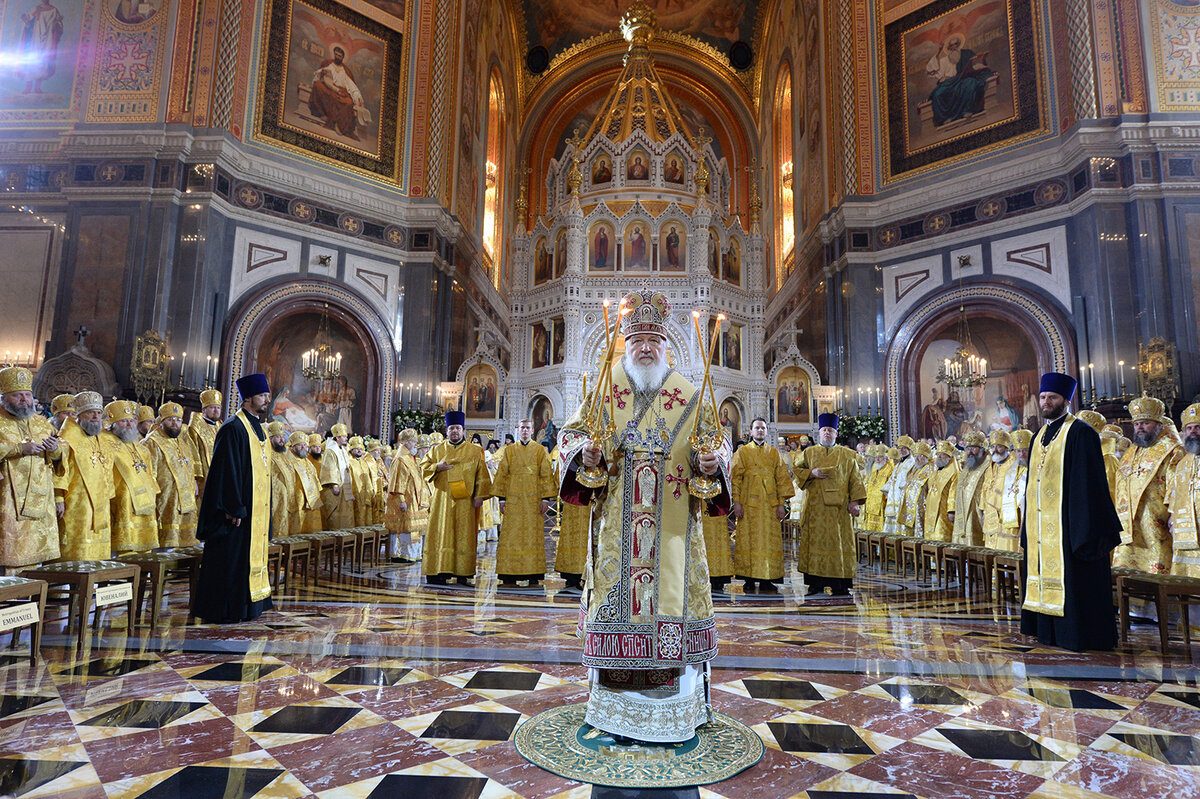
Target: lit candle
x=879, y=399
x=208, y=370
x=1092, y=378
x=1122, y=365
x=860, y=400
x=182, y=367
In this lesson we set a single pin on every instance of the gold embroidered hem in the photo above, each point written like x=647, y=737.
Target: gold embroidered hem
x=644, y=712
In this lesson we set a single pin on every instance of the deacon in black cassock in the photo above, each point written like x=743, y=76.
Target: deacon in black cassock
x=235, y=515
x=1070, y=530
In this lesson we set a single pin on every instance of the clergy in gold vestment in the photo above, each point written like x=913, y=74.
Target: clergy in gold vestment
x=147, y=417
x=871, y=518
x=939, y=498
x=826, y=553
x=408, y=496
x=1183, y=497
x=1110, y=437
x=134, y=519
x=337, y=485
x=283, y=483
x=1142, y=490
x=29, y=450
x=202, y=431
x=1070, y=530
x=61, y=410
x=173, y=456
x=379, y=469
x=897, y=482
x=85, y=529
x=362, y=474
x=525, y=485
x=761, y=487
x=912, y=517
x=460, y=482
x=574, y=523
x=1011, y=500
x=647, y=618
x=307, y=518
x=968, y=507
x=991, y=493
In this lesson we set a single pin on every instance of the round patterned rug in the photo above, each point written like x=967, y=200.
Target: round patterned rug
x=559, y=741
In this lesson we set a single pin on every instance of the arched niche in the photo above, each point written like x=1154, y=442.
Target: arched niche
x=268, y=331
x=1002, y=310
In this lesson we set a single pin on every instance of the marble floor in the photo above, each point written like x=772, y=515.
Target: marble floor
x=374, y=685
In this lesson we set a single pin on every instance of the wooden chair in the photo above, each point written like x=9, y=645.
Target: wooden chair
x=274, y=558
x=930, y=559
x=1008, y=569
x=295, y=551
x=23, y=604
x=979, y=570
x=157, y=566
x=1163, y=590
x=862, y=544
x=954, y=555
x=88, y=582
x=891, y=544
x=910, y=546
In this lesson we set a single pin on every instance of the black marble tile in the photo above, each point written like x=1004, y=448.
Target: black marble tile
x=782, y=689
x=1177, y=750
x=1187, y=697
x=921, y=694
x=1076, y=698
x=310, y=719
x=857, y=795
x=797, y=642
x=110, y=667
x=213, y=782
x=15, y=703
x=368, y=675
x=415, y=785
x=472, y=725
x=148, y=714
x=823, y=738
x=19, y=777
x=608, y=792
x=998, y=745
x=237, y=672
x=504, y=680
x=780, y=629
x=482, y=633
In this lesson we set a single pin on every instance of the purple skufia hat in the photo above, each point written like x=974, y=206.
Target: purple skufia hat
x=1059, y=383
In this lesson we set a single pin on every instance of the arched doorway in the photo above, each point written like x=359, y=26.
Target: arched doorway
x=272, y=330
x=1020, y=336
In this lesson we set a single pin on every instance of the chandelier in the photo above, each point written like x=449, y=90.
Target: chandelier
x=965, y=369
x=320, y=363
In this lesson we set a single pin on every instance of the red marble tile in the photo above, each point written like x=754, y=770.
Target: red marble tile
x=879, y=715
x=1176, y=718
x=1034, y=719
x=155, y=750
x=1114, y=774
x=505, y=765
x=934, y=774
x=533, y=702
x=406, y=700
x=777, y=774
x=572, y=672
x=137, y=685
x=746, y=710
x=330, y=761
x=266, y=694
x=41, y=731
x=1130, y=690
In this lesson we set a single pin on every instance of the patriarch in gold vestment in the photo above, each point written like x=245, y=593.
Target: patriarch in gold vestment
x=826, y=554
x=912, y=516
x=991, y=492
x=134, y=518
x=175, y=474
x=29, y=451
x=646, y=619
x=761, y=487
x=85, y=529
x=460, y=481
x=1183, y=497
x=1142, y=489
x=1070, y=530
x=362, y=475
x=525, y=484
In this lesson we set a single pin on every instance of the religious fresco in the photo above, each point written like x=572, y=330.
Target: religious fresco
x=539, y=352
x=602, y=169
x=637, y=248
x=480, y=392
x=134, y=12
x=959, y=75
x=602, y=247
x=731, y=263
x=541, y=411
x=793, y=396
x=714, y=252
x=1007, y=401
x=1175, y=25
x=41, y=39
x=542, y=269
x=558, y=24
x=731, y=347
x=558, y=340
x=672, y=247
x=731, y=420
x=560, y=253
x=637, y=165
x=303, y=404
x=337, y=90
x=674, y=169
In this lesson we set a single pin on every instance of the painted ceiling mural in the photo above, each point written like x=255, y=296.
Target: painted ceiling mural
x=558, y=24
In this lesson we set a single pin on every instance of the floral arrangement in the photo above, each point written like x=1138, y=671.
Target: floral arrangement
x=860, y=428
x=421, y=421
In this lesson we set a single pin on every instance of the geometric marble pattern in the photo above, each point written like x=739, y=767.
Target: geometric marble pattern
x=379, y=686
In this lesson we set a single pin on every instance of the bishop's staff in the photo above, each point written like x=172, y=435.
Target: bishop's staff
x=703, y=486
x=594, y=418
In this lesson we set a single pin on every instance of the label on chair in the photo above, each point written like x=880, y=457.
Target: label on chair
x=118, y=592
x=18, y=615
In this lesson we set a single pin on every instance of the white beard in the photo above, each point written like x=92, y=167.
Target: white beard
x=645, y=378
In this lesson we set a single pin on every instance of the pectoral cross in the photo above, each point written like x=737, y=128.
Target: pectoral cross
x=678, y=481
x=1141, y=469
x=139, y=465
x=98, y=457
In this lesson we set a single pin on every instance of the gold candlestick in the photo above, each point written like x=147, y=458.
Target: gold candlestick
x=594, y=476
x=703, y=486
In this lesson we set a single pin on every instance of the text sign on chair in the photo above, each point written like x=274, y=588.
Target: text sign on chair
x=119, y=592
x=18, y=615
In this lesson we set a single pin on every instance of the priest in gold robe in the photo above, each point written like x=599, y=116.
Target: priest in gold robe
x=968, y=504
x=235, y=515
x=574, y=527
x=202, y=431
x=85, y=529
x=337, y=483
x=1110, y=437
x=826, y=553
x=525, y=485
x=939, y=499
x=362, y=476
x=991, y=493
x=646, y=619
x=1010, y=506
x=1070, y=530
x=879, y=470
x=407, y=513
x=460, y=482
x=894, y=488
x=912, y=518
x=1142, y=490
x=173, y=459
x=761, y=488
x=61, y=410
x=145, y=420
x=1183, y=497
x=283, y=483
x=307, y=518
x=29, y=451
x=134, y=510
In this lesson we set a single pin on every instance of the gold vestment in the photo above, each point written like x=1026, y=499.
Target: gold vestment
x=175, y=474
x=761, y=483
x=28, y=518
x=85, y=530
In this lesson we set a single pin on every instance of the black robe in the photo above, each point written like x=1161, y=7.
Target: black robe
x=1091, y=530
x=223, y=588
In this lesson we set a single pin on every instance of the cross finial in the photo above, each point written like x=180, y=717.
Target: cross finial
x=81, y=334
x=577, y=141
x=701, y=138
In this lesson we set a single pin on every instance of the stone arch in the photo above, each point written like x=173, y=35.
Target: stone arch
x=256, y=314
x=1050, y=334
